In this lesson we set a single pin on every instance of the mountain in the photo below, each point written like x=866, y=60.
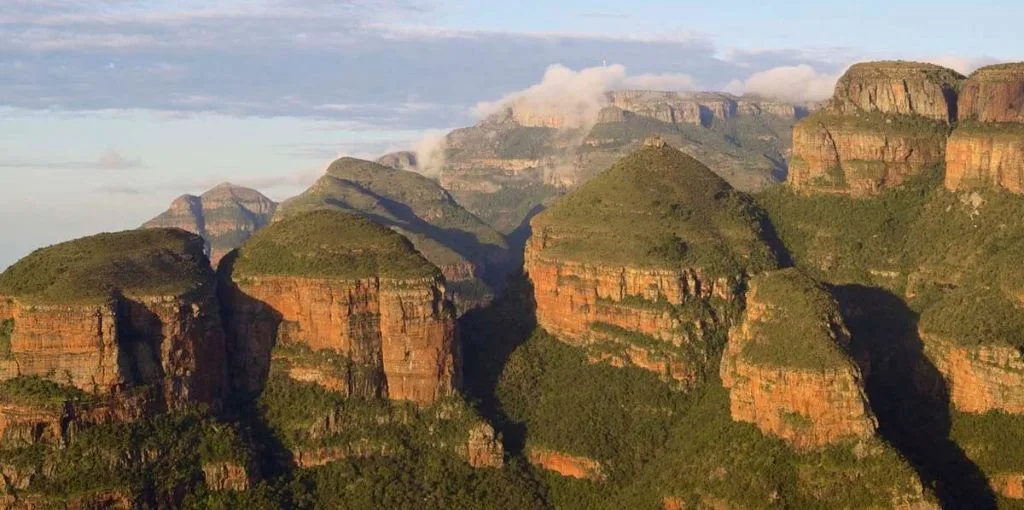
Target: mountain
x=515, y=160
x=225, y=217
x=646, y=296
x=472, y=255
x=922, y=259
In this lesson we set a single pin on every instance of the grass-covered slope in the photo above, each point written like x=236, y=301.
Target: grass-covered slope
x=658, y=207
x=417, y=206
x=330, y=244
x=138, y=262
x=799, y=328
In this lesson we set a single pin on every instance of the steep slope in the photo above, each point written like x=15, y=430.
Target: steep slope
x=650, y=296
x=516, y=160
x=225, y=217
x=468, y=251
x=343, y=302
x=113, y=313
x=787, y=368
x=886, y=122
x=987, y=148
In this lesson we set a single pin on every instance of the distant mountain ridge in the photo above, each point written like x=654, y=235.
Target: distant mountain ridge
x=225, y=217
x=514, y=160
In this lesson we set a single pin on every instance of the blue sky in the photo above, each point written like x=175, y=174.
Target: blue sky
x=111, y=108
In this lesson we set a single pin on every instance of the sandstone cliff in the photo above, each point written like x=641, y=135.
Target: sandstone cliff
x=994, y=94
x=786, y=366
x=116, y=312
x=645, y=297
x=225, y=217
x=887, y=122
x=986, y=156
x=899, y=88
x=470, y=254
x=363, y=314
x=987, y=148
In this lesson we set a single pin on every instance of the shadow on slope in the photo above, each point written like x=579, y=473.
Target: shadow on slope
x=909, y=396
x=489, y=336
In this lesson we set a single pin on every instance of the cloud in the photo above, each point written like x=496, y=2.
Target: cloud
x=577, y=96
x=113, y=160
x=963, y=65
x=801, y=83
x=429, y=150
x=109, y=160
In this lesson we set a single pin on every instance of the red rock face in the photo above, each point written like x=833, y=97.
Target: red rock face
x=981, y=379
x=808, y=407
x=400, y=333
x=994, y=94
x=860, y=162
x=1008, y=485
x=573, y=297
x=581, y=468
x=174, y=343
x=986, y=158
x=901, y=88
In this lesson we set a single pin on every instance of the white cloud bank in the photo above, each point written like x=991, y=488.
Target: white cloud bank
x=800, y=83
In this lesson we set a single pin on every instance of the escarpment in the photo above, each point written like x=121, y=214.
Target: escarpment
x=472, y=256
x=338, y=300
x=887, y=122
x=224, y=216
x=787, y=369
x=987, y=148
x=653, y=296
x=113, y=313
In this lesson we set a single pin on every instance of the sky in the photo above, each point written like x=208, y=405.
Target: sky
x=109, y=109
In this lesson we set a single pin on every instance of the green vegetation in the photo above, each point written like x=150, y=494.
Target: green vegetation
x=976, y=316
x=691, y=217
x=152, y=461
x=1004, y=131
x=330, y=244
x=994, y=441
x=915, y=127
x=507, y=208
x=36, y=392
x=801, y=327
x=439, y=227
x=91, y=269
x=6, y=332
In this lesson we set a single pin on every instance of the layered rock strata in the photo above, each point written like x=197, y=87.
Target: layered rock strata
x=645, y=297
x=138, y=312
x=786, y=369
x=887, y=122
x=379, y=326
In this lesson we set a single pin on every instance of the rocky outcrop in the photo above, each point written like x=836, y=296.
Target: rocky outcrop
x=994, y=94
x=887, y=122
x=124, y=326
x=786, y=369
x=572, y=466
x=987, y=148
x=986, y=156
x=980, y=378
x=1008, y=485
x=644, y=297
x=226, y=477
x=363, y=329
x=484, y=448
x=402, y=160
x=899, y=88
x=225, y=217
x=861, y=156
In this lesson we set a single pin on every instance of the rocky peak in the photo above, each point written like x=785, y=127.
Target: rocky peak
x=898, y=87
x=115, y=313
x=994, y=94
x=362, y=314
x=225, y=216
